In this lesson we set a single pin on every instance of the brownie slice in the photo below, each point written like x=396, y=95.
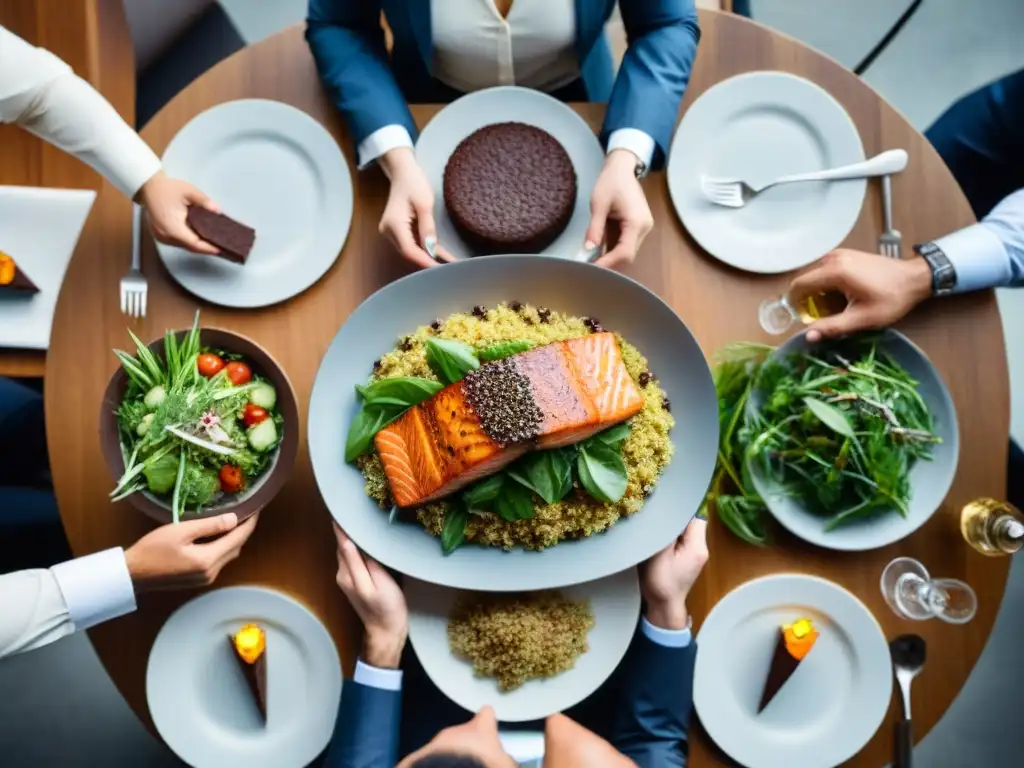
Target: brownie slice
x=232, y=237
x=13, y=278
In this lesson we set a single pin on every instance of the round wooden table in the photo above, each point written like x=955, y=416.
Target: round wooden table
x=293, y=548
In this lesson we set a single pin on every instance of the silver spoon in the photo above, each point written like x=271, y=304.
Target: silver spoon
x=908, y=656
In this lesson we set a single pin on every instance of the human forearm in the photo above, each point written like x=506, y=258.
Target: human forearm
x=654, y=72
x=991, y=253
x=38, y=607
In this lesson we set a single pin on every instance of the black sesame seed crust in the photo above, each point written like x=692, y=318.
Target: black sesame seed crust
x=503, y=401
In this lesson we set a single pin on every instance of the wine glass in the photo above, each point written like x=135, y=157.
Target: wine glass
x=912, y=593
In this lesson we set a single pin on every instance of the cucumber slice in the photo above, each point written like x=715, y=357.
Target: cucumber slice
x=263, y=395
x=155, y=397
x=263, y=436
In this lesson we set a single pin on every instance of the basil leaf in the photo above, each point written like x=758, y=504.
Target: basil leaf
x=615, y=436
x=483, y=492
x=602, y=472
x=450, y=360
x=503, y=349
x=830, y=416
x=453, y=532
x=400, y=390
x=544, y=473
x=367, y=423
x=514, y=503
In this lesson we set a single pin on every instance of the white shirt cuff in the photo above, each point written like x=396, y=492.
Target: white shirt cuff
x=978, y=256
x=636, y=141
x=670, y=638
x=375, y=677
x=96, y=588
x=382, y=140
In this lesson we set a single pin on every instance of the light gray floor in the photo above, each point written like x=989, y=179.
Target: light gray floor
x=57, y=706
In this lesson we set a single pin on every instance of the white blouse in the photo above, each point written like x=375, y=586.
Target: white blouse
x=40, y=93
x=475, y=48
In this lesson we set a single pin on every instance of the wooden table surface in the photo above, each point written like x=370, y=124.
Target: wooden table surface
x=292, y=549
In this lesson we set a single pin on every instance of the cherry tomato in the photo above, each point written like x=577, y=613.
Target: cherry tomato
x=209, y=365
x=231, y=479
x=239, y=373
x=253, y=414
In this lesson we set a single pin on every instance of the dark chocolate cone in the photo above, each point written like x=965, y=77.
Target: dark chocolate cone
x=782, y=668
x=255, y=677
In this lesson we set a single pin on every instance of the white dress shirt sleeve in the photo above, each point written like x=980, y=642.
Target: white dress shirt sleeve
x=636, y=141
x=39, y=92
x=380, y=141
x=38, y=607
x=991, y=253
x=670, y=638
x=376, y=677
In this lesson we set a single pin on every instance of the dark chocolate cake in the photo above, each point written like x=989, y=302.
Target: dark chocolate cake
x=250, y=650
x=13, y=277
x=793, y=644
x=234, y=239
x=509, y=188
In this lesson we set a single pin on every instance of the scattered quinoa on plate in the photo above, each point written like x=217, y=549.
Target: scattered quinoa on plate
x=518, y=637
x=587, y=476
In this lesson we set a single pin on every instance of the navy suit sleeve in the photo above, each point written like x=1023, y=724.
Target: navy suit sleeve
x=663, y=37
x=655, y=699
x=366, y=733
x=348, y=45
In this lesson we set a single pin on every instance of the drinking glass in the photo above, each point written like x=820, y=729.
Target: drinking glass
x=912, y=593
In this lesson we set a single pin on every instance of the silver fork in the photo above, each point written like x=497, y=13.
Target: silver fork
x=133, y=285
x=735, y=193
x=890, y=241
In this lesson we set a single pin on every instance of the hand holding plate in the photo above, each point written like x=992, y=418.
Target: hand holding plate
x=666, y=579
x=377, y=600
x=408, y=219
x=618, y=197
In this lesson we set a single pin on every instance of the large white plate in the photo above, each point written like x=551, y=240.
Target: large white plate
x=39, y=229
x=757, y=127
x=275, y=168
x=504, y=104
x=831, y=706
x=615, y=602
x=199, y=700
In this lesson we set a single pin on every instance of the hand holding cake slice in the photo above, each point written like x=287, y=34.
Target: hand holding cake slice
x=13, y=278
x=250, y=649
x=794, y=643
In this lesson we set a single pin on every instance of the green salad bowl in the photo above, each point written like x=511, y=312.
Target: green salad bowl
x=265, y=487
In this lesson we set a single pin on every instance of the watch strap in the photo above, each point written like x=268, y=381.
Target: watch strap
x=943, y=272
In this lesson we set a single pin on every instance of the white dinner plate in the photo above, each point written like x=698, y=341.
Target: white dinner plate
x=200, y=702
x=39, y=229
x=757, y=127
x=615, y=603
x=831, y=706
x=504, y=104
x=276, y=169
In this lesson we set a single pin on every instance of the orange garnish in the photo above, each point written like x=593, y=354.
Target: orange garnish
x=800, y=637
x=8, y=269
x=250, y=642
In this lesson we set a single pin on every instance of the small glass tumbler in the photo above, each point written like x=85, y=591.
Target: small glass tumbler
x=912, y=593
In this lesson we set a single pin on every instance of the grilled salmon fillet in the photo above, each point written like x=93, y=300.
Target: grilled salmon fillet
x=546, y=397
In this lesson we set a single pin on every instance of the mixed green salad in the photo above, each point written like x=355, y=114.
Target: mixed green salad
x=838, y=429
x=197, y=427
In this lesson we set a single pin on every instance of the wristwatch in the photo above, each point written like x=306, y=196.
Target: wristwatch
x=641, y=169
x=943, y=271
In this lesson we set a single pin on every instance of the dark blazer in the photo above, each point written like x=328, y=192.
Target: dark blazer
x=652, y=703
x=372, y=91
